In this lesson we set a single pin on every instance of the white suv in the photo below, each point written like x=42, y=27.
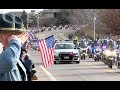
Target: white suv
x=66, y=51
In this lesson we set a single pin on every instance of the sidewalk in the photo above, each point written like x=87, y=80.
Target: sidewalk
x=34, y=55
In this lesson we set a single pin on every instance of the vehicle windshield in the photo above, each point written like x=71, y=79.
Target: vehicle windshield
x=111, y=49
x=104, y=42
x=83, y=45
x=90, y=43
x=64, y=46
x=95, y=43
x=111, y=44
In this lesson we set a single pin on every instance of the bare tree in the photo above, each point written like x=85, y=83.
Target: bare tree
x=111, y=18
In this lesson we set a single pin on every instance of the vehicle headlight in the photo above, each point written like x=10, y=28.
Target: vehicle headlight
x=76, y=54
x=104, y=52
x=114, y=53
x=110, y=53
x=98, y=49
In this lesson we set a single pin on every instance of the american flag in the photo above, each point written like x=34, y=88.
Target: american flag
x=31, y=35
x=37, y=43
x=46, y=48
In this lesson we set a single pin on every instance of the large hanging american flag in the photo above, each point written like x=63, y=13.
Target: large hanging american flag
x=46, y=48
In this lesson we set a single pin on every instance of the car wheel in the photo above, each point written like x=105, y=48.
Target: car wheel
x=54, y=62
x=84, y=57
x=98, y=59
x=110, y=66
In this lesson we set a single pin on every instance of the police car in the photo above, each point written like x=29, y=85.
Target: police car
x=65, y=51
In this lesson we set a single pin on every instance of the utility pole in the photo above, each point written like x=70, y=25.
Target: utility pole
x=27, y=21
x=94, y=23
x=38, y=21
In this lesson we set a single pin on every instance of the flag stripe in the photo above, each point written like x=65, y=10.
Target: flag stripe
x=46, y=53
x=39, y=47
x=51, y=53
x=43, y=53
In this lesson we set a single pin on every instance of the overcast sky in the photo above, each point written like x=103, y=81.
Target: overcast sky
x=16, y=10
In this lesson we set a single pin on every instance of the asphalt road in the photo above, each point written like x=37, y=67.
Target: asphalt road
x=86, y=70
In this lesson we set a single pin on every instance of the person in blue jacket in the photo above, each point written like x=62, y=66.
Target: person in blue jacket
x=10, y=65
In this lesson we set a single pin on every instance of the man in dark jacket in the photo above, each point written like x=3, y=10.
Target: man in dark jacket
x=29, y=65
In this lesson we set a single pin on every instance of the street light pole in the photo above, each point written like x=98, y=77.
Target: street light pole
x=38, y=20
x=94, y=23
x=27, y=21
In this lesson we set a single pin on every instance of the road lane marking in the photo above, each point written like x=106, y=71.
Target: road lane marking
x=51, y=77
x=106, y=70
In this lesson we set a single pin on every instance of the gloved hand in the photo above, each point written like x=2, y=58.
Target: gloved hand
x=14, y=37
x=1, y=48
